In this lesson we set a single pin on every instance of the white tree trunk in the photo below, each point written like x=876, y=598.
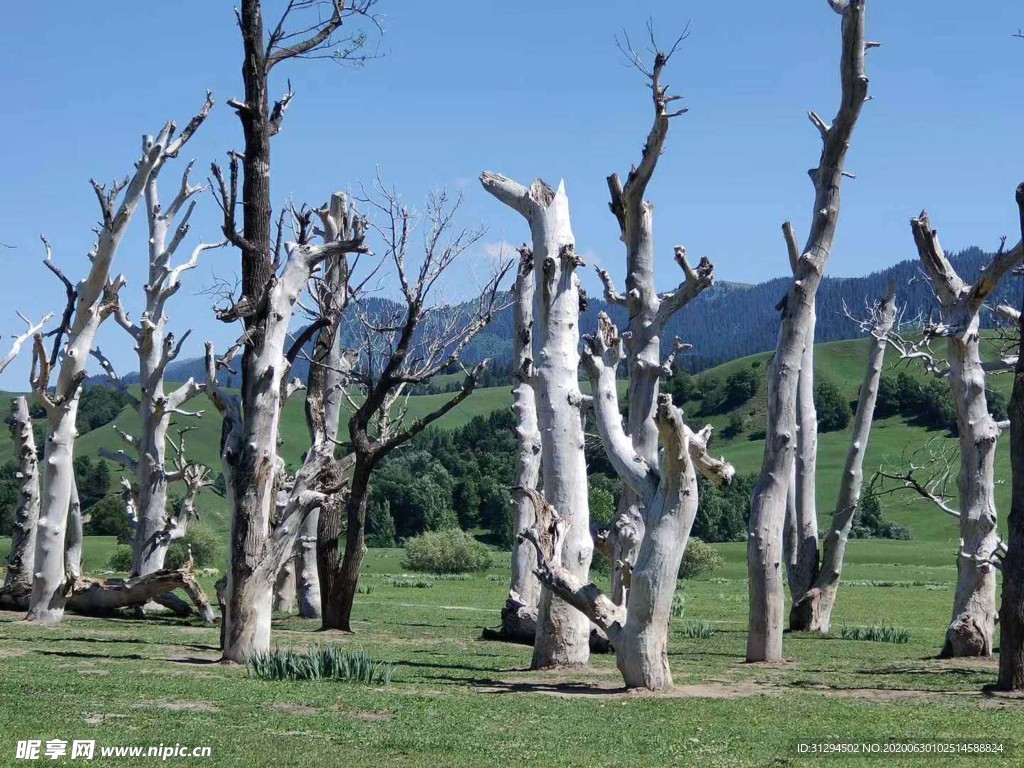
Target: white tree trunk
x=26, y=516
x=563, y=634
x=285, y=587
x=813, y=612
x=972, y=627
x=638, y=629
x=251, y=462
x=803, y=568
x=519, y=615
x=96, y=300
x=768, y=508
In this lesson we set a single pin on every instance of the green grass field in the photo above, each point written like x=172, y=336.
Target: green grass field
x=457, y=700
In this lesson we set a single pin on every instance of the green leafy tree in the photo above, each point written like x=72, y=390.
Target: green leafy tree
x=833, y=409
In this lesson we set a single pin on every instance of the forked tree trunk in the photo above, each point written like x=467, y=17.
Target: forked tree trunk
x=26, y=515
x=251, y=462
x=972, y=627
x=563, y=633
x=813, y=612
x=803, y=568
x=638, y=628
x=1011, y=612
x=768, y=508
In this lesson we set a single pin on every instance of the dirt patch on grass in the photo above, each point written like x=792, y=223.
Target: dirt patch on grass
x=178, y=705
x=607, y=689
x=12, y=653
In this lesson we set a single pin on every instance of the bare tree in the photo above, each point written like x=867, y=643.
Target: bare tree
x=305, y=29
x=768, y=509
x=649, y=310
x=331, y=291
x=1011, y=611
x=519, y=614
x=813, y=611
x=95, y=299
x=252, y=466
x=563, y=633
x=637, y=626
x=972, y=627
x=157, y=347
x=405, y=345
x=20, y=339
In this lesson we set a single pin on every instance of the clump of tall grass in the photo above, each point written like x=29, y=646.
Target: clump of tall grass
x=412, y=584
x=319, y=663
x=698, y=630
x=364, y=589
x=678, y=604
x=880, y=633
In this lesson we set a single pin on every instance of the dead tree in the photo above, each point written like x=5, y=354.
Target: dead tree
x=563, y=634
x=1011, y=610
x=95, y=299
x=330, y=364
x=306, y=29
x=638, y=625
x=26, y=515
x=249, y=441
x=519, y=614
x=156, y=348
x=768, y=508
x=649, y=310
x=972, y=627
x=404, y=346
x=801, y=528
x=20, y=339
x=813, y=611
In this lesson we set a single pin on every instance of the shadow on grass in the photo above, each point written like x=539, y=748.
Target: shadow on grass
x=562, y=689
x=106, y=656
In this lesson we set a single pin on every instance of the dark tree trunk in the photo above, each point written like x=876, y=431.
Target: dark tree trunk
x=339, y=575
x=1011, y=611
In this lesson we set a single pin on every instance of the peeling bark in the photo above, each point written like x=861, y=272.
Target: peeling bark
x=768, y=509
x=26, y=515
x=813, y=612
x=519, y=616
x=562, y=632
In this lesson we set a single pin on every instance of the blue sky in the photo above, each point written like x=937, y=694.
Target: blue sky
x=529, y=89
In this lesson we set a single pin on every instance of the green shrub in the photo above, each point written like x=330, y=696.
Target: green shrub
x=204, y=544
x=412, y=584
x=448, y=551
x=698, y=630
x=879, y=633
x=120, y=559
x=699, y=561
x=678, y=605
x=319, y=663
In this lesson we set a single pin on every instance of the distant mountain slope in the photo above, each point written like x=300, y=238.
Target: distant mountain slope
x=728, y=321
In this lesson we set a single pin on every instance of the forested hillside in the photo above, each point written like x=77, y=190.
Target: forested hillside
x=728, y=321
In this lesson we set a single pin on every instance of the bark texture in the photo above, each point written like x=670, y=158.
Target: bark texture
x=562, y=632
x=26, y=515
x=972, y=627
x=519, y=615
x=768, y=509
x=813, y=612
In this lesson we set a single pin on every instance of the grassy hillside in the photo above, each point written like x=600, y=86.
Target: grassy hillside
x=841, y=362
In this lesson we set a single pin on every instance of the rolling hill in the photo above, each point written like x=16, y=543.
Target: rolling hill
x=840, y=362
